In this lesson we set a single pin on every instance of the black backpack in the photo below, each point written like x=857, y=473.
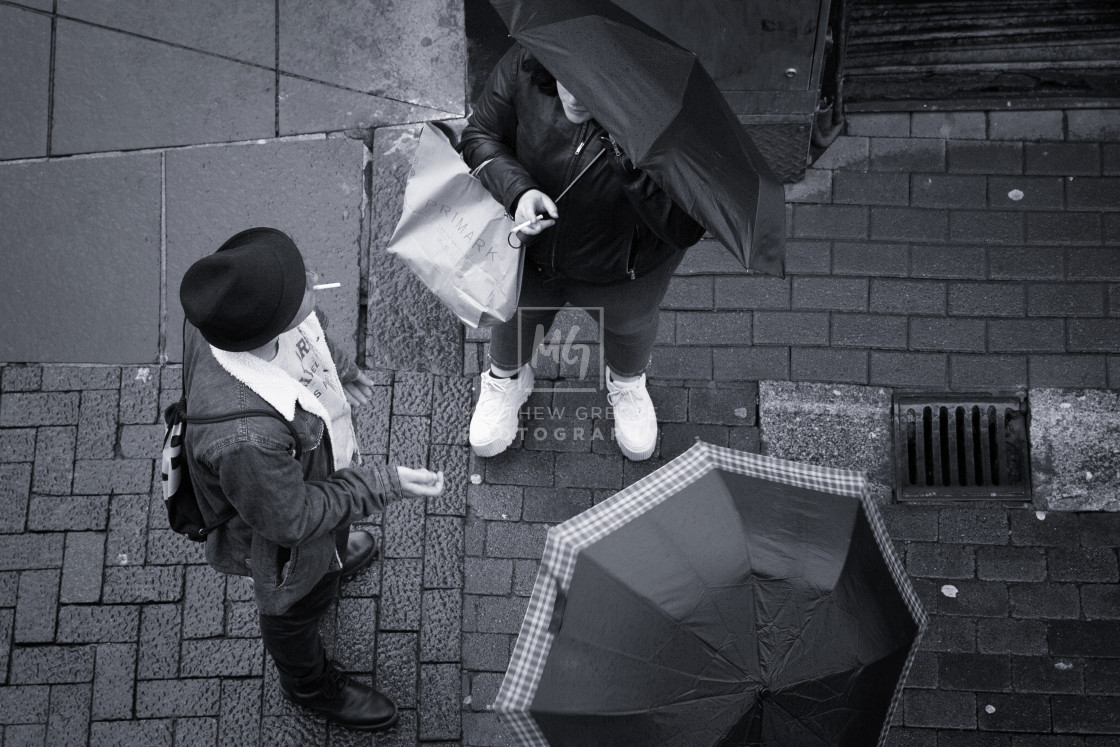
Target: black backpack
x=183, y=513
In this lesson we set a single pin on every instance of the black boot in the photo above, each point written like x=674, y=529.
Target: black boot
x=341, y=700
x=362, y=548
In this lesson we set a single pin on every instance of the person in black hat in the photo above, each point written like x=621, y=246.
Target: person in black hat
x=253, y=341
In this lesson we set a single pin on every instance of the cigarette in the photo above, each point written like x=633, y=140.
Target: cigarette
x=324, y=286
x=527, y=223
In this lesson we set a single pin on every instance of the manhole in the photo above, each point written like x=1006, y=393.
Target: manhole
x=960, y=446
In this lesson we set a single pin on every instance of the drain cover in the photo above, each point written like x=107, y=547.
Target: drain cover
x=960, y=446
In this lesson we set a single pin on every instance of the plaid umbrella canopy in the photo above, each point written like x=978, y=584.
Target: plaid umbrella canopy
x=725, y=599
x=656, y=99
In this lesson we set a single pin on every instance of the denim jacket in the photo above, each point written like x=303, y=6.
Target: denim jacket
x=293, y=516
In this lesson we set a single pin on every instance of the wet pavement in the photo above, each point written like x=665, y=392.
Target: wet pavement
x=142, y=134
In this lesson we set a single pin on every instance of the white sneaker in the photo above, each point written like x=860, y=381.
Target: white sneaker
x=495, y=417
x=635, y=422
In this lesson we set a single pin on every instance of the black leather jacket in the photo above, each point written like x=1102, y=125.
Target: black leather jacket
x=615, y=224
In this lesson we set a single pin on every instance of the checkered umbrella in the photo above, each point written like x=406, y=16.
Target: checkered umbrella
x=725, y=599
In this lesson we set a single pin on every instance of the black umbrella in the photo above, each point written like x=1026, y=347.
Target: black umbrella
x=656, y=99
x=725, y=599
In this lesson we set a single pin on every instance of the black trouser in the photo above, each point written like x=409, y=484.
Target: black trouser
x=292, y=638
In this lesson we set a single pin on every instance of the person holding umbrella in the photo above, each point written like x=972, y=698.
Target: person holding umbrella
x=612, y=242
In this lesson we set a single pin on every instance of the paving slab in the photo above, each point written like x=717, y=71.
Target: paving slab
x=408, y=328
x=245, y=30
x=832, y=425
x=1075, y=449
x=25, y=60
x=308, y=106
x=86, y=265
x=115, y=91
x=410, y=50
x=310, y=189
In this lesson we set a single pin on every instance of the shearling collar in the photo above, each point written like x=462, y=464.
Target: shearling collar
x=272, y=383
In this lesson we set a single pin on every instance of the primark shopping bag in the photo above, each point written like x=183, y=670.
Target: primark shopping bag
x=456, y=237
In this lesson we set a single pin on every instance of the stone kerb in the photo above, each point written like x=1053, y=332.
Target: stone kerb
x=1075, y=449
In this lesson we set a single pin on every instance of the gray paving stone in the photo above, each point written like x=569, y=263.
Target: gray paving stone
x=75, y=378
x=833, y=425
x=148, y=732
x=357, y=634
x=139, y=394
x=15, y=487
x=1074, y=464
x=485, y=614
x=34, y=408
x=69, y=715
x=98, y=624
x=242, y=31
x=451, y=409
x=7, y=625
x=371, y=422
x=398, y=667
x=182, y=697
x=25, y=41
x=486, y=652
x=408, y=329
x=146, y=584
x=520, y=467
x=293, y=730
x=37, y=606
x=25, y=735
x=484, y=689
x=495, y=502
x=203, y=612
x=588, y=471
x=202, y=731
x=54, y=460
x=213, y=193
x=100, y=476
x=439, y=701
x=30, y=551
x=400, y=599
x=174, y=96
x=404, y=734
x=453, y=461
x=488, y=575
x=140, y=441
x=486, y=730
x=38, y=665
x=309, y=106
x=160, y=631
x=97, y=424
x=554, y=505
x=166, y=547
x=443, y=553
x=17, y=445
x=56, y=513
x=24, y=704
x=221, y=657
x=83, y=567
x=408, y=441
x=127, y=536
x=242, y=620
x=404, y=529
x=440, y=631
x=240, y=712
x=416, y=54
x=21, y=378
x=119, y=217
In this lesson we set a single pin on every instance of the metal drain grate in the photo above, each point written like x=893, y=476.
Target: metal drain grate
x=960, y=446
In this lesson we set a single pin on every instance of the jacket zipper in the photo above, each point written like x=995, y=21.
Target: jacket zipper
x=572, y=164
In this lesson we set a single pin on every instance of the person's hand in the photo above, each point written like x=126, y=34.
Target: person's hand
x=359, y=391
x=416, y=483
x=536, y=208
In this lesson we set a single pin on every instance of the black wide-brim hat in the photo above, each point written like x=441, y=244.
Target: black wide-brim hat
x=246, y=293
